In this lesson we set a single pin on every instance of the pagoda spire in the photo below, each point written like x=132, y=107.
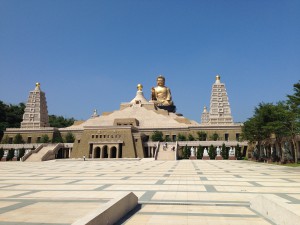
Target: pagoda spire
x=220, y=112
x=36, y=112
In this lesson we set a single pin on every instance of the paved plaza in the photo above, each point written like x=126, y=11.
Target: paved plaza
x=170, y=192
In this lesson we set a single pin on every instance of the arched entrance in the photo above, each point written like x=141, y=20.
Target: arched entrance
x=105, y=152
x=113, y=152
x=97, y=152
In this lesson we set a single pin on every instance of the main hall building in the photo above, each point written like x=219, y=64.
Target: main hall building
x=127, y=132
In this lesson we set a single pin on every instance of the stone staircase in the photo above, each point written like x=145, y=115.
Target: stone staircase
x=45, y=153
x=166, y=152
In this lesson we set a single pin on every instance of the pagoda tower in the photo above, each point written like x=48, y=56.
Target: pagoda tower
x=205, y=116
x=220, y=112
x=36, y=113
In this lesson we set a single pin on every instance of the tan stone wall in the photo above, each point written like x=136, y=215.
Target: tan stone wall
x=26, y=134
x=82, y=147
x=231, y=131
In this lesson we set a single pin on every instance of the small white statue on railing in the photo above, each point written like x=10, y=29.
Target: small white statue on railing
x=232, y=151
x=192, y=152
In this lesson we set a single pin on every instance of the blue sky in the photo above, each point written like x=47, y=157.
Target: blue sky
x=92, y=54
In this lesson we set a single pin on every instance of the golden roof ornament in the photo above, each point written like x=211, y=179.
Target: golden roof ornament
x=37, y=86
x=140, y=87
x=218, y=77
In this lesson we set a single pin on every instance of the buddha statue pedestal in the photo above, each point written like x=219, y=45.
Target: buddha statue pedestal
x=169, y=108
x=232, y=157
x=205, y=157
x=219, y=157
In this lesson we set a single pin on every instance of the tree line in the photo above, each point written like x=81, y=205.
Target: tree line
x=201, y=136
x=273, y=129
x=11, y=116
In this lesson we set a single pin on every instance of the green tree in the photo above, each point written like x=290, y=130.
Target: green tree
x=201, y=135
x=10, y=116
x=21, y=153
x=70, y=138
x=294, y=122
x=238, y=153
x=224, y=151
x=167, y=139
x=45, y=139
x=191, y=137
x=156, y=136
x=5, y=140
x=253, y=129
x=18, y=139
x=200, y=152
x=1, y=153
x=181, y=137
x=186, y=152
x=10, y=154
x=294, y=99
x=214, y=137
x=212, y=152
x=60, y=121
x=275, y=122
x=57, y=138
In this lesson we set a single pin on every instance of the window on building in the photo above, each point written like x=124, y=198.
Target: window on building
x=38, y=140
x=226, y=137
x=167, y=137
x=10, y=140
x=237, y=136
x=92, y=136
x=173, y=137
x=29, y=140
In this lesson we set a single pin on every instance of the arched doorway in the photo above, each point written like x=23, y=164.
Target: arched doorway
x=97, y=152
x=113, y=152
x=105, y=152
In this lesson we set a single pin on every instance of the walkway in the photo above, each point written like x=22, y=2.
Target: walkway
x=170, y=192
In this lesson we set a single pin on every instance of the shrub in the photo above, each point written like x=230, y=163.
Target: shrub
x=10, y=154
x=18, y=139
x=1, y=153
x=21, y=153
x=156, y=136
x=200, y=152
x=45, y=139
x=181, y=137
x=212, y=152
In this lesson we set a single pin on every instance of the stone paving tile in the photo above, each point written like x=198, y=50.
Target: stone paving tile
x=50, y=212
x=171, y=192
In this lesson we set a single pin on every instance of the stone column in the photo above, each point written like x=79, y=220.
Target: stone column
x=101, y=152
x=118, y=151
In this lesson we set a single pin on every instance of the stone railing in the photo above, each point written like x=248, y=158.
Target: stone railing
x=33, y=151
x=156, y=150
x=176, y=149
x=19, y=146
x=51, y=153
x=214, y=143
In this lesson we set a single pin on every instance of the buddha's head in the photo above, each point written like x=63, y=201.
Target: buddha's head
x=160, y=81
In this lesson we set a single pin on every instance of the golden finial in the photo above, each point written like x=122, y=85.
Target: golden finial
x=37, y=86
x=218, y=77
x=140, y=87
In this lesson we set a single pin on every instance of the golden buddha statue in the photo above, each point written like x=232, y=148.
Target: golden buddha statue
x=161, y=95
